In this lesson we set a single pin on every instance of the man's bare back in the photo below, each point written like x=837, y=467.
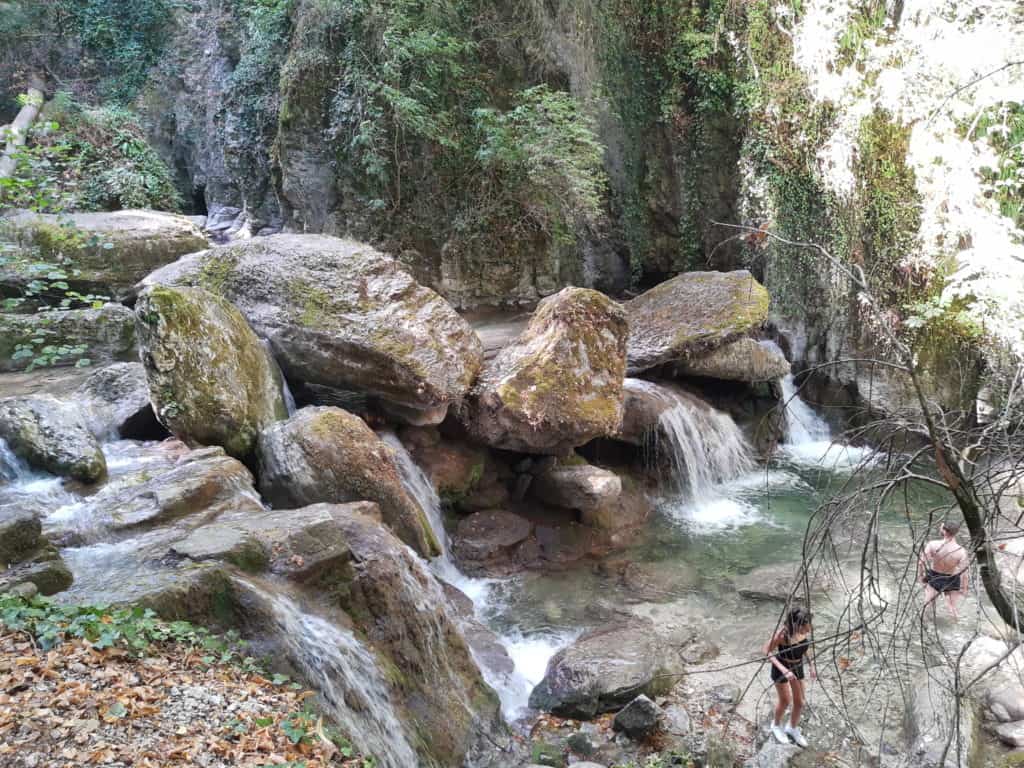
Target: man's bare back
x=945, y=556
x=944, y=567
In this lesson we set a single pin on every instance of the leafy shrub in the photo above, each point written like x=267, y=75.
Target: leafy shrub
x=87, y=159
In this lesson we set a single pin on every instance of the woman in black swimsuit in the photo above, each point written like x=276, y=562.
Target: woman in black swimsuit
x=787, y=649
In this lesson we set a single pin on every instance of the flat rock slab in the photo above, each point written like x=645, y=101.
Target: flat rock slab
x=579, y=486
x=121, y=247
x=692, y=313
x=106, y=334
x=485, y=540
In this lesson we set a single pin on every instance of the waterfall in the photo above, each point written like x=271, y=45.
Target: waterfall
x=704, y=445
x=530, y=655
x=353, y=690
x=420, y=488
x=803, y=425
x=12, y=469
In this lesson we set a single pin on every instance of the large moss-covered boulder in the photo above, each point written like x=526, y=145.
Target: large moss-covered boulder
x=745, y=360
x=325, y=454
x=211, y=380
x=559, y=384
x=51, y=435
x=101, y=335
x=691, y=314
x=108, y=252
x=341, y=314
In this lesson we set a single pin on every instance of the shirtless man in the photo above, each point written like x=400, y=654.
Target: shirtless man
x=943, y=568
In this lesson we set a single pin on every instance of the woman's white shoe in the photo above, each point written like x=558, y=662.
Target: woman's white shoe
x=796, y=736
x=779, y=734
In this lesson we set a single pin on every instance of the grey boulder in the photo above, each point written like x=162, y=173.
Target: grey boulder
x=51, y=435
x=327, y=455
x=341, y=314
x=605, y=669
x=691, y=314
x=559, y=384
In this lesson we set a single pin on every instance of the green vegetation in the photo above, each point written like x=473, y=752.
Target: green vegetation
x=89, y=159
x=1003, y=127
x=430, y=129
x=867, y=18
x=133, y=629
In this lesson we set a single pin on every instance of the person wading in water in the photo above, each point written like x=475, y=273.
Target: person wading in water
x=942, y=568
x=787, y=649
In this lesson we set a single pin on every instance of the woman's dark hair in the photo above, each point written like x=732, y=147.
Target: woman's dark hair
x=796, y=618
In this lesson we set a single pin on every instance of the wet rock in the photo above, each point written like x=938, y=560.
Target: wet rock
x=1005, y=700
x=115, y=403
x=211, y=381
x=341, y=314
x=1011, y=734
x=693, y=313
x=20, y=532
x=28, y=562
x=403, y=612
x=638, y=719
x=643, y=405
x=198, y=485
x=330, y=455
x=780, y=583
x=745, y=359
x=104, y=335
x=627, y=512
x=605, y=669
x=577, y=486
x=119, y=247
x=559, y=384
x=454, y=467
x=487, y=542
x=51, y=435
x=305, y=545
x=43, y=569
x=931, y=714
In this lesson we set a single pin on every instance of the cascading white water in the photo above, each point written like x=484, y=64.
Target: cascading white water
x=529, y=654
x=420, y=488
x=705, y=446
x=354, y=691
x=803, y=425
x=11, y=467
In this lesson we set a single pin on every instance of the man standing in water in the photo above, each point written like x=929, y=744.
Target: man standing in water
x=943, y=569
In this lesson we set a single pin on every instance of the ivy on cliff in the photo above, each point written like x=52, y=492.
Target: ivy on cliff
x=430, y=127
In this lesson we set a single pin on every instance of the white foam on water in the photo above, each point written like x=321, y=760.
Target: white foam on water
x=809, y=438
x=530, y=654
x=715, y=514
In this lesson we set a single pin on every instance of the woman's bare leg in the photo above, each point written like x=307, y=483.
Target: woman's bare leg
x=782, y=689
x=797, y=686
